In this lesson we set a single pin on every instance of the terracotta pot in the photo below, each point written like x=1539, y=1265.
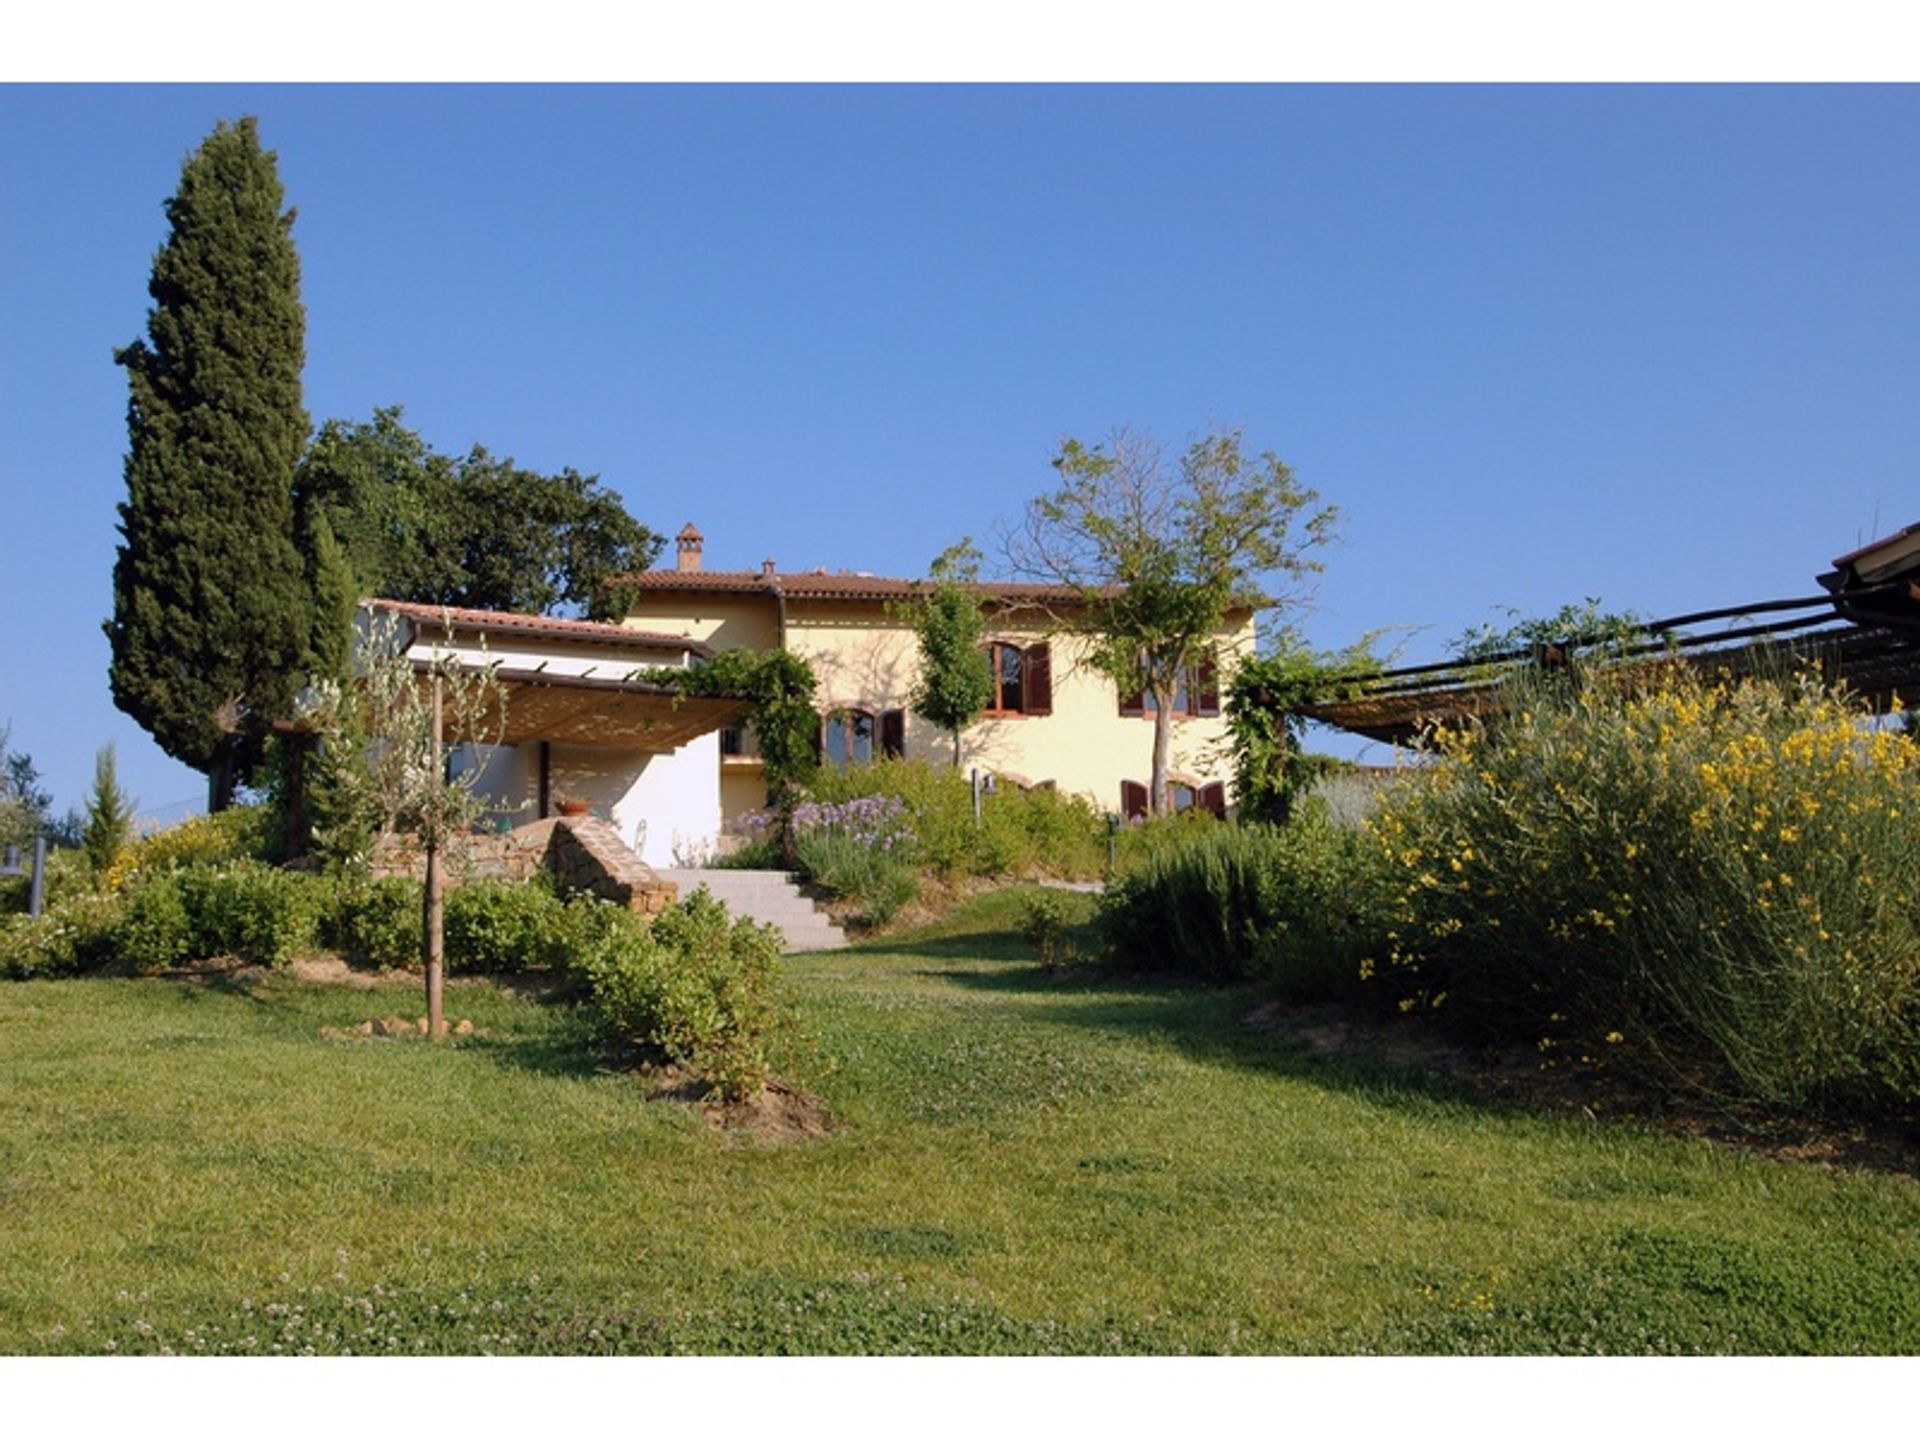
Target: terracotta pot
x=575, y=809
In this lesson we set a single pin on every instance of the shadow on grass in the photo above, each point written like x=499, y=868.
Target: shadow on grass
x=240, y=984
x=1425, y=1071
x=571, y=1045
x=966, y=946
x=1200, y=1021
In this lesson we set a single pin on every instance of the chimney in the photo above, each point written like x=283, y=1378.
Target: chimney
x=688, y=542
x=766, y=569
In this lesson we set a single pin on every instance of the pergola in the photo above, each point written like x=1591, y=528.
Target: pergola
x=604, y=711
x=1863, y=632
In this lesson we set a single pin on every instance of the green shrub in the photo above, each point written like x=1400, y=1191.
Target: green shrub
x=156, y=932
x=251, y=912
x=68, y=874
x=1723, y=879
x=499, y=927
x=1295, y=906
x=374, y=922
x=70, y=938
x=1035, y=834
x=256, y=913
x=761, y=852
x=694, y=986
x=1021, y=833
x=1047, y=920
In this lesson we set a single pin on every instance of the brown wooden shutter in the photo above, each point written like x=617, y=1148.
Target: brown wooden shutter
x=1213, y=799
x=893, y=734
x=1036, y=679
x=1208, y=685
x=1133, y=800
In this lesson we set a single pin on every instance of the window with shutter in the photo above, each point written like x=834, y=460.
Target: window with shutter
x=1197, y=692
x=1133, y=800
x=1207, y=683
x=1213, y=799
x=1008, y=665
x=1036, y=691
x=893, y=734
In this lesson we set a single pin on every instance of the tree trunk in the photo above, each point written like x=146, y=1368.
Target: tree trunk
x=220, y=778
x=1159, y=792
x=956, y=747
x=433, y=937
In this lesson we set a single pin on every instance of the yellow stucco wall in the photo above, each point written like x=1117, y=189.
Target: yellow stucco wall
x=866, y=658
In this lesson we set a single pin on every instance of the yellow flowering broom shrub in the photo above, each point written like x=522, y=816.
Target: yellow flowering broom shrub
x=1721, y=879
x=216, y=839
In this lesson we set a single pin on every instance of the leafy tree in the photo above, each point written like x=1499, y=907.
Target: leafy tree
x=1159, y=554
x=955, y=682
x=478, y=531
x=109, y=814
x=210, y=603
x=67, y=831
x=23, y=801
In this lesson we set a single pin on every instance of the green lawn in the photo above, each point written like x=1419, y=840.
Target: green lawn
x=1021, y=1163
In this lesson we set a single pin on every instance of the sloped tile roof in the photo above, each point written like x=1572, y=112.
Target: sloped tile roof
x=536, y=627
x=830, y=585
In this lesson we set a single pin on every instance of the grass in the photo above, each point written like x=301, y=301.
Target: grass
x=1023, y=1162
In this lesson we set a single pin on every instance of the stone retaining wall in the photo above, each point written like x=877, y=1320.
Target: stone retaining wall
x=584, y=853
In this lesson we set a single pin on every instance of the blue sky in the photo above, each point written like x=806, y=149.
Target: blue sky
x=1654, y=345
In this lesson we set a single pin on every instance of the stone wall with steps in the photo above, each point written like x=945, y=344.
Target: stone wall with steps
x=584, y=852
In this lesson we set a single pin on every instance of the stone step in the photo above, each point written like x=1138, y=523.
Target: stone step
x=768, y=896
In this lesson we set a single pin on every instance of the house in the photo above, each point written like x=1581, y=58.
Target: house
x=1054, y=719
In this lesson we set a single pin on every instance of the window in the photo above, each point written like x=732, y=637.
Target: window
x=1022, y=679
x=1211, y=798
x=1196, y=694
x=847, y=738
x=1008, y=699
x=853, y=737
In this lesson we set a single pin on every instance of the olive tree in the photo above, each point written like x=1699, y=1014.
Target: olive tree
x=382, y=765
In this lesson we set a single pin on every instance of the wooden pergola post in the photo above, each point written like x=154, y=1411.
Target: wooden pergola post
x=433, y=945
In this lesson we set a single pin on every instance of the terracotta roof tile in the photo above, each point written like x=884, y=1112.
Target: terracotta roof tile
x=536, y=627
x=829, y=585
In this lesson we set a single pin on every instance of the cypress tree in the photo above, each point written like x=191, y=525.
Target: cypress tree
x=109, y=814
x=210, y=599
x=336, y=598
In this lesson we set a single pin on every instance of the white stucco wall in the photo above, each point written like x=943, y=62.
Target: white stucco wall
x=667, y=807
x=660, y=804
